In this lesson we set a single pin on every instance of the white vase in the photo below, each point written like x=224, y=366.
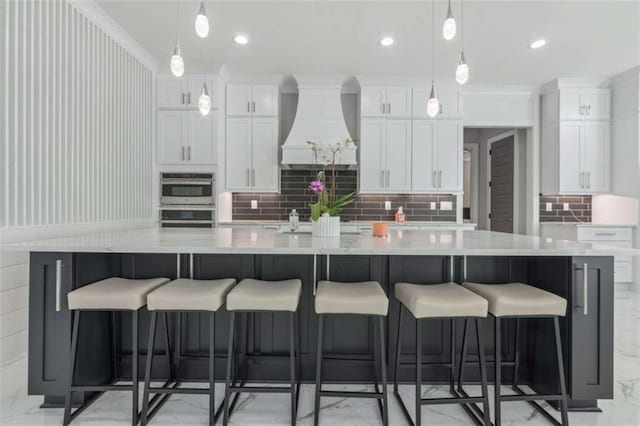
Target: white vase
x=326, y=226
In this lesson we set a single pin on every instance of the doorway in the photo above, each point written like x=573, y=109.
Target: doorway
x=501, y=184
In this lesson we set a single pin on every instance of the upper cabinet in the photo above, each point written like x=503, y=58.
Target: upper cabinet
x=576, y=141
x=184, y=136
x=437, y=156
x=252, y=100
x=450, y=99
x=587, y=104
x=391, y=102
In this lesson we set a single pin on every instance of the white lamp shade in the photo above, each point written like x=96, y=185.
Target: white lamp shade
x=462, y=73
x=204, y=104
x=177, y=65
x=433, y=107
x=202, y=25
x=449, y=28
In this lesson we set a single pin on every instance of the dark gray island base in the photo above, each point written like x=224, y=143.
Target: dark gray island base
x=587, y=330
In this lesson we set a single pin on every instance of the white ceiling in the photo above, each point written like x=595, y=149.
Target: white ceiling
x=586, y=38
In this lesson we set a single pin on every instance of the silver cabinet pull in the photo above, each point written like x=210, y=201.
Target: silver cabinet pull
x=189, y=98
x=183, y=102
x=183, y=153
x=589, y=110
x=58, y=285
x=441, y=109
x=189, y=153
x=388, y=177
x=434, y=179
x=248, y=177
x=382, y=178
x=253, y=104
x=248, y=106
x=439, y=178
x=253, y=177
x=581, y=110
x=588, y=180
x=585, y=290
x=388, y=107
x=315, y=273
x=382, y=107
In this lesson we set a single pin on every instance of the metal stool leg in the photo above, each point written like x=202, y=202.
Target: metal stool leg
x=227, y=390
x=316, y=413
x=396, y=371
x=147, y=374
x=516, y=358
x=134, y=370
x=452, y=370
x=498, y=371
x=75, y=315
x=418, y=421
x=483, y=375
x=292, y=365
x=383, y=367
x=212, y=366
x=563, y=387
x=377, y=365
x=167, y=346
x=463, y=354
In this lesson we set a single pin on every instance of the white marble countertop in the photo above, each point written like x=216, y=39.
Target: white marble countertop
x=269, y=241
x=390, y=223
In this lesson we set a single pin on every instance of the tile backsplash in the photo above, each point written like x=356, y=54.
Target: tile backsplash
x=579, y=208
x=294, y=194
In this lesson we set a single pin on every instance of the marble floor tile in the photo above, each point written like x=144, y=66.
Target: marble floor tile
x=112, y=409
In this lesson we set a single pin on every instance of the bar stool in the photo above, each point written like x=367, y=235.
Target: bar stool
x=253, y=296
x=184, y=295
x=111, y=294
x=362, y=298
x=517, y=300
x=440, y=302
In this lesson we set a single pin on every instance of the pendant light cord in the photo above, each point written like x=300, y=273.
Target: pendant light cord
x=462, y=23
x=433, y=26
x=178, y=21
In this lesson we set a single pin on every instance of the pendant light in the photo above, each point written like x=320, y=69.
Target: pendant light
x=449, y=26
x=177, y=63
x=202, y=22
x=433, y=105
x=462, y=70
x=204, y=101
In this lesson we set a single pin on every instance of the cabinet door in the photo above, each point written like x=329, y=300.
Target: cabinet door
x=172, y=137
x=570, y=146
x=171, y=92
x=448, y=153
x=372, y=102
x=238, y=154
x=570, y=105
x=372, y=154
x=201, y=148
x=596, y=155
x=398, y=155
x=265, y=100
x=399, y=103
x=265, y=155
x=422, y=167
x=238, y=99
x=591, y=312
x=597, y=102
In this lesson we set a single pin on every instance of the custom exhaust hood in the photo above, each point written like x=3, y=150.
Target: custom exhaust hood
x=319, y=118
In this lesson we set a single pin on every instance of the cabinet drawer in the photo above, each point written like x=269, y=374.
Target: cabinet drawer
x=605, y=234
x=622, y=271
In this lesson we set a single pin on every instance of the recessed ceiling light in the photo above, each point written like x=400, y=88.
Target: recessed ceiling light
x=386, y=41
x=537, y=44
x=241, y=39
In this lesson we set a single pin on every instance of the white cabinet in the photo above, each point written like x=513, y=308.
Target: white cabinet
x=181, y=93
x=252, y=154
x=584, y=148
x=450, y=99
x=585, y=103
x=437, y=156
x=612, y=236
x=385, y=155
x=248, y=100
x=185, y=138
x=576, y=145
x=394, y=102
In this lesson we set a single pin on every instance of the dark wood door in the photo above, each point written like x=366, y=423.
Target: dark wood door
x=502, y=185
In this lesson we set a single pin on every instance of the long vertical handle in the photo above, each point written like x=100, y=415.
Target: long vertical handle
x=581, y=110
x=589, y=180
x=434, y=179
x=253, y=177
x=439, y=178
x=58, y=285
x=585, y=289
x=248, y=106
x=189, y=153
x=388, y=177
x=248, y=177
x=253, y=105
x=388, y=107
x=189, y=98
x=183, y=102
x=315, y=273
x=382, y=178
x=382, y=108
x=183, y=153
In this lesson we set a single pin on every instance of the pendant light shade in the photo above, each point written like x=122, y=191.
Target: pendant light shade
x=177, y=63
x=202, y=22
x=433, y=105
x=449, y=26
x=462, y=70
x=204, y=101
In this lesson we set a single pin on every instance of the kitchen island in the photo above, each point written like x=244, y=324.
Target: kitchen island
x=582, y=273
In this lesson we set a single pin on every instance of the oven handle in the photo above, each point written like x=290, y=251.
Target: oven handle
x=185, y=182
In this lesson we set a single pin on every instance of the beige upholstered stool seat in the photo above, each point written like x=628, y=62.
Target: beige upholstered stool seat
x=190, y=295
x=447, y=300
x=517, y=299
x=365, y=298
x=114, y=293
x=256, y=295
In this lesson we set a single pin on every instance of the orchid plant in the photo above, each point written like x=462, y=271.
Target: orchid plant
x=325, y=156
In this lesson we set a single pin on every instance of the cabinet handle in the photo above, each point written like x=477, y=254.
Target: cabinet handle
x=189, y=98
x=253, y=177
x=248, y=106
x=382, y=107
x=248, y=177
x=440, y=179
x=183, y=99
x=588, y=180
x=605, y=234
x=589, y=110
x=58, y=285
x=585, y=289
x=183, y=153
x=581, y=110
x=382, y=178
x=189, y=153
x=389, y=108
x=434, y=179
x=388, y=177
x=253, y=106
x=441, y=109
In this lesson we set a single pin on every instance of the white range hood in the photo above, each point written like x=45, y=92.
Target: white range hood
x=319, y=119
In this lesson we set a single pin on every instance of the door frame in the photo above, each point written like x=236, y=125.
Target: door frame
x=474, y=148
x=490, y=141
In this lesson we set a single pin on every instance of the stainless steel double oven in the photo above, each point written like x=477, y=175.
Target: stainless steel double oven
x=187, y=200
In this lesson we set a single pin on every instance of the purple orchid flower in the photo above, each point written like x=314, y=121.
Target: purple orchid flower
x=316, y=186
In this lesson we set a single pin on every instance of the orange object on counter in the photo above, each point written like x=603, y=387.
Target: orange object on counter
x=380, y=229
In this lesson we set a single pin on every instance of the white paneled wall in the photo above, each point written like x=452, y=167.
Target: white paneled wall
x=76, y=120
